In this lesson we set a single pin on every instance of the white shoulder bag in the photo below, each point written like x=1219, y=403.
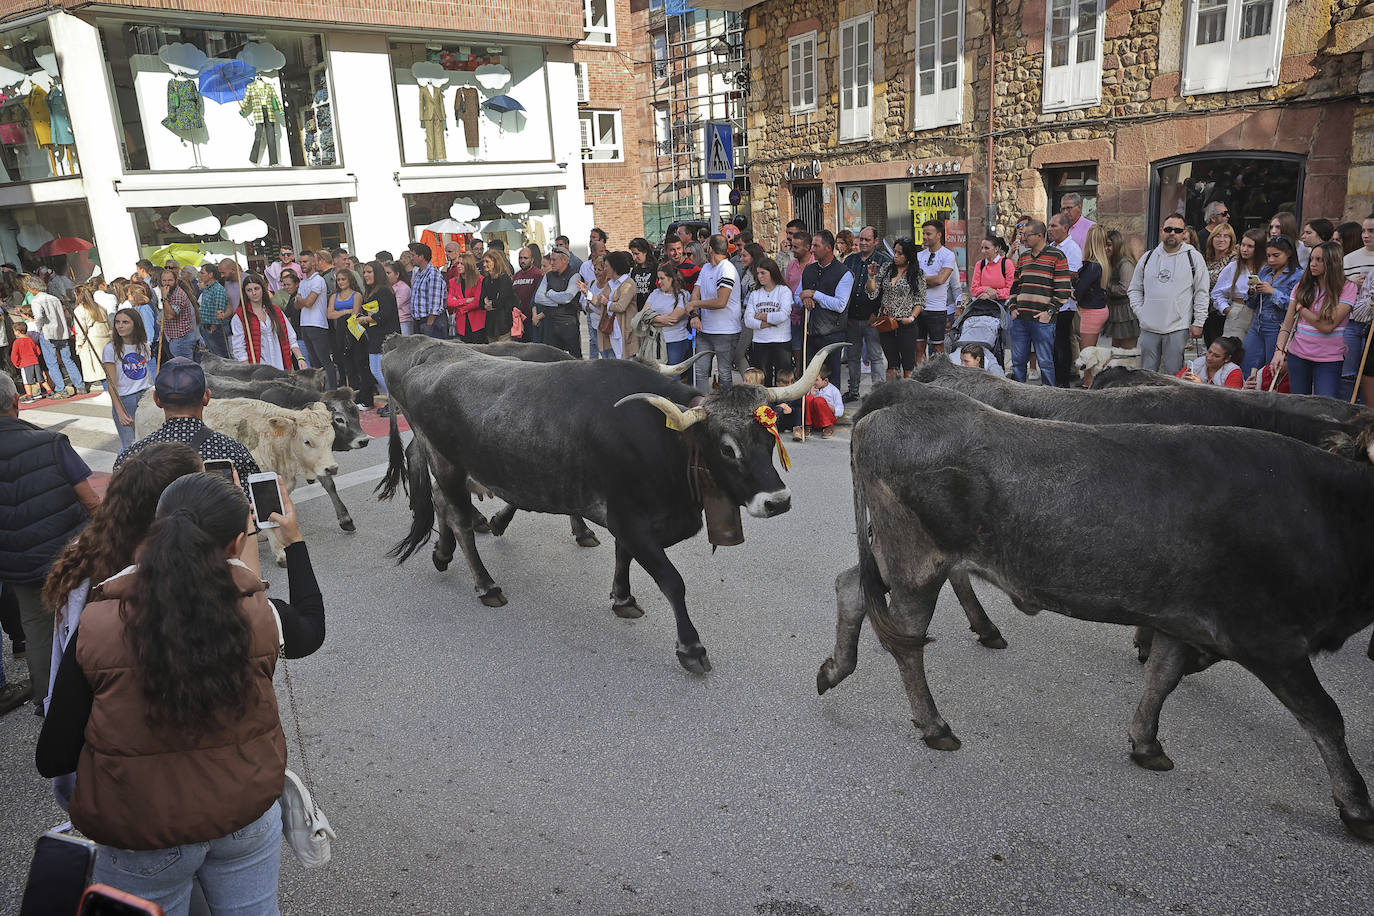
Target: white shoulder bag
x=303, y=825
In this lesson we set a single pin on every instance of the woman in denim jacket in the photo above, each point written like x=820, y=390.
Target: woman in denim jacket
x=1269, y=298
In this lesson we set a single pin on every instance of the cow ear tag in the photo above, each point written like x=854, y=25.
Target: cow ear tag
x=768, y=419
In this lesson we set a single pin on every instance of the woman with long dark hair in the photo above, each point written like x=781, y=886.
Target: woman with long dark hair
x=1122, y=326
x=644, y=271
x=465, y=301
x=768, y=313
x=668, y=302
x=164, y=707
x=1312, y=339
x=1268, y=299
x=259, y=331
x=92, y=334
x=378, y=322
x=346, y=302
x=127, y=362
x=498, y=295
x=1232, y=288
x=900, y=288
x=401, y=290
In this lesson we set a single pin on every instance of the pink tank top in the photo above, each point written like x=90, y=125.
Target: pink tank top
x=1313, y=345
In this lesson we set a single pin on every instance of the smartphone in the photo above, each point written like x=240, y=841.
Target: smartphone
x=60, y=871
x=103, y=900
x=264, y=491
x=222, y=466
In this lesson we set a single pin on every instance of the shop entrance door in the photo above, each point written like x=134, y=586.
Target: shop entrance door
x=807, y=206
x=316, y=231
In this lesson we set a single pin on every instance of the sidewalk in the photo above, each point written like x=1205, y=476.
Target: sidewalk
x=86, y=421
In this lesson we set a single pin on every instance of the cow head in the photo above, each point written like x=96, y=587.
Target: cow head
x=313, y=379
x=343, y=414
x=735, y=432
x=312, y=437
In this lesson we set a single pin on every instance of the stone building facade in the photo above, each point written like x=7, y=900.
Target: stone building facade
x=1156, y=118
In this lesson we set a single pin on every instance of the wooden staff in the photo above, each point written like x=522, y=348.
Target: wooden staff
x=1359, y=374
x=806, y=328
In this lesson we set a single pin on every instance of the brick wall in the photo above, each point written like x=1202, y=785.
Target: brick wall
x=613, y=188
x=556, y=19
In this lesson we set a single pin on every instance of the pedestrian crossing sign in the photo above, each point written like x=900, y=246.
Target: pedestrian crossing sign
x=720, y=151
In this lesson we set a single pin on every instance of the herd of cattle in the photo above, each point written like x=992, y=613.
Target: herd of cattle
x=1250, y=536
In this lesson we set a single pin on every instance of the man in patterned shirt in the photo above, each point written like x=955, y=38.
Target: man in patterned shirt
x=428, y=293
x=213, y=311
x=181, y=393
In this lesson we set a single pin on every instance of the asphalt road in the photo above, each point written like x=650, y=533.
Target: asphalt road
x=548, y=757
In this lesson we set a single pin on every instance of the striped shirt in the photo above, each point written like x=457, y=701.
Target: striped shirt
x=428, y=293
x=1042, y=282
x=212, y=301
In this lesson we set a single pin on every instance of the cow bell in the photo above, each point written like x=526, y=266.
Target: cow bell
x=724, y=526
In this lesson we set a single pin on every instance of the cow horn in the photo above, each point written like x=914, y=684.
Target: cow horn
x=678, y=419
x=674, y=371
x=802, y=385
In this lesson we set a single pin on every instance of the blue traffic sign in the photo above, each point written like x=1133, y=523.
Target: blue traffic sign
x=720, y=151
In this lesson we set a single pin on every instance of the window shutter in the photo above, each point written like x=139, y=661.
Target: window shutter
x=583, y=93
x=585, y=124
x=939, y=63
x=1208, y=48
x=1254, y=55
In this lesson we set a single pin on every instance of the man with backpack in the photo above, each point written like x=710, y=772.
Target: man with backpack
x=1169, y=294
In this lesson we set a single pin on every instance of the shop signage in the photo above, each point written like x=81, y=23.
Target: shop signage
x=803, y=171
x=932, y=167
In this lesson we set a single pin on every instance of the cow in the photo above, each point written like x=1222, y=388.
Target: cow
x=245, y=372
x=940, y=485
x=1321, y=422
x=581, y=438
x=293, y=443
x=1125, y=377
x=343, y=412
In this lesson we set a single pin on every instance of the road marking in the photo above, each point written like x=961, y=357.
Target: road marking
x=343, y=481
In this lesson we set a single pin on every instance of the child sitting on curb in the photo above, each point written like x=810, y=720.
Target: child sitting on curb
x=821, y=407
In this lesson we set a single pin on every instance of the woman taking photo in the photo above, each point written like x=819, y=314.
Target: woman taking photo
x=901, y=287
x=498, y=295
x=1220, y=365
x=401, y=290
x=1268, y=300
x=378, y=322
x=465, y=301
x=768, y=313
x=668, y=301
x=1221, y=251
x=620, y=306
x=1122, y=326
x=1090, y=290
x=127, y=363
x=180, y=758
x=345, y=302
x=1312, y=339
x=268, y=338
x=1233, y=285
x=178, y=305
x=92, y=334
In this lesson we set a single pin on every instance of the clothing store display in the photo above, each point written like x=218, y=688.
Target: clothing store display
x=467, y=108
x=260, y=102
x=60, y=121
x=264, y=134
x=11, y=124
x=40, y=119
x=185, y=108
x=434, y=121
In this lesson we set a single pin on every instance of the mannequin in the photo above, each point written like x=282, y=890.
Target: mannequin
x=432, y=80
x=261, y=103
x=59, y=142
x=185, y=107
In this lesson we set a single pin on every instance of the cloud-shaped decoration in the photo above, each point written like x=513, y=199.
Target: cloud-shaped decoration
x=47, y=59
x=262, y=56
x=243, y=228
x=465, y=210
x=33, y=235
x=183, y=54
x=492, y=76
x=194, y=220
x=513, y=202
x=10, y=72
x=429, y=70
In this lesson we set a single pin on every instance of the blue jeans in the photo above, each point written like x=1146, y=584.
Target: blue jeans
x=238, y=872
x=1261, y=339
x=593, y=351
x=1355, y=335
x=678, y=351
x=1307, y=377
x=374, y=361
x=1027, y=333
x=184, y=346
x=53, y=351
x=126, y=433
x=215, y=341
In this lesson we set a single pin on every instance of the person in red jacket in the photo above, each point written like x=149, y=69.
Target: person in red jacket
x=24, y=355
x=465, y=302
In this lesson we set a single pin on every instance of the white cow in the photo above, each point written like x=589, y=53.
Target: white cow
x=293, y=443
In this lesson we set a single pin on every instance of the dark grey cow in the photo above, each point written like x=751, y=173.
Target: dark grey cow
x=940, y=484
x=233, y=369
x=574, y=438
x=343, y=413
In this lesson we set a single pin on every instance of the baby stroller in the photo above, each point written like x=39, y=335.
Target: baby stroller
x=984, y=321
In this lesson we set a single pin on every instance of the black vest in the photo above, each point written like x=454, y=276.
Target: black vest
x=558, y=283
x=39, y=511
x=827, y=280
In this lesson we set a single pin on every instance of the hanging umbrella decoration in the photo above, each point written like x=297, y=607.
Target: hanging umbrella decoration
x=65, y=245
x=502, y=105
x=226, y=81
x=186, y=254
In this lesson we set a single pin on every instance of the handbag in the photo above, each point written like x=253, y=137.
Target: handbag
x=885, y=324
x=303, y=825
x=607, y=324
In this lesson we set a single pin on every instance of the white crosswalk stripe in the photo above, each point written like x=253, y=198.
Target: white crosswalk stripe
x=87, y=423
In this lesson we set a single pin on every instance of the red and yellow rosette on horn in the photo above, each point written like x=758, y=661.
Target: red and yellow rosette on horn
x=768, y=419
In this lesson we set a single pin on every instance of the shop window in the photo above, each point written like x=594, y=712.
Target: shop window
x=301, y=224
x=601, y=139
x=1075, y=179
x=598, y=21
x=463, y=102
x=856, y=78
x=1232, y=44
x=528, y=216
x=1073, y=54
x=29, y=234
x=194, y=98
x=36, y=139
x=1253, y=185
x=896, y=209
x=801, y=73
x=939, y=63
x=807, y=206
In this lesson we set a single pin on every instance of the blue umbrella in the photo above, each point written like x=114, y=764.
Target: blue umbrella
x=226, y=82
x=503, y=104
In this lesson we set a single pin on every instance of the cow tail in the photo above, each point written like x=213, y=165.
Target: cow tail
x=871, y=585
x=396, y=465
x=421, y=505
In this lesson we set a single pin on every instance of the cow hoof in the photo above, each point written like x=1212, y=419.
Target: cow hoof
x=480, y=525
x=588, y=540
x=282, y=562
x=1361, y=827
x=493, y=598
x=995, y=641
x=944, y=741
x=1152, y=757
x=630, y=610
x=694, y=659
x=440, y=563
x=823, y=677
x=496, y=527
x=347, y=524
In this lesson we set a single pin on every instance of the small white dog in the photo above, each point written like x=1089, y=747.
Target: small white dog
x=1095, y=359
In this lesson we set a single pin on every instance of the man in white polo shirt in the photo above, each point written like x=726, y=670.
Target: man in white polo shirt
x=715, y=311
x=941, y=268
x=312, y=297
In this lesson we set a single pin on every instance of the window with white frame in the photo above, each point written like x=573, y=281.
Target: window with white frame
x=601, y=136
x=1232, y=44
x=598, y=21
x=1073, y=54
x=939, y=63
x=584, y=93
x=801, y=72
x=856, y=78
